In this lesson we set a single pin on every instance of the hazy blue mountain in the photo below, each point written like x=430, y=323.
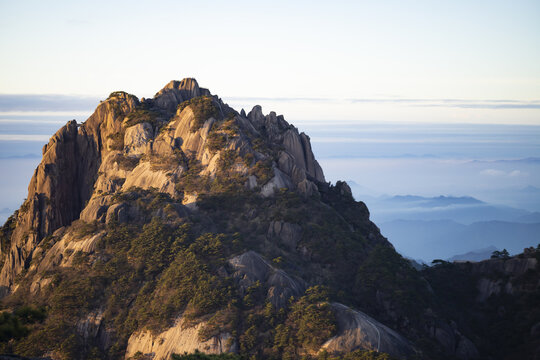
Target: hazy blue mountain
x=465, y=209
x=475, y=255
x=530, y=218
x=441, y=239
x=439, y=201
x=527, y=197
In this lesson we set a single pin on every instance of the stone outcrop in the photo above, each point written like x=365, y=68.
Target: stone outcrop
x=511, y=267
x=507, y=269
x=279, y=181
x=63, y=182
x=176, y=92
x=137, y=138
x=287, y=234
x=178, y=339
x=357, y=330
x=299, y=147
x=251, y=267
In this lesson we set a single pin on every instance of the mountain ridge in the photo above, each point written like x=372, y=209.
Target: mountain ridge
x=176, y=223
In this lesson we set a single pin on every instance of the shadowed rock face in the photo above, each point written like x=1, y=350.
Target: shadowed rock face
x=288, y=234
x=357, y=330
x=176, y=92
x=511, y=269
x=251, y=267
x=63, y=182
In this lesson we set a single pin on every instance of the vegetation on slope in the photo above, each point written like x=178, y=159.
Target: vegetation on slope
x=203, y=108
x=144, y=274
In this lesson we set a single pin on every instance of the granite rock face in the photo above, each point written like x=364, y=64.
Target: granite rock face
x=251, y=267
x=357, y=330
x=180, y=338
x=137, y=138
x=84, y=163
x=116, y=169
x=176, y=92
x=287, y=233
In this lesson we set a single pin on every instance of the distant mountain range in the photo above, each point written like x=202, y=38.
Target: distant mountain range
x=453, y=227
x=465, y=210
x=476, y=255
x=441, y=239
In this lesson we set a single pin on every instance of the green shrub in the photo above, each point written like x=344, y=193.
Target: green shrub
x=11, y=327
x=226, y=160
x=191, y=180
x=216, y=141
x=116, y=103
x=262, y=171
x=164, y=162
x=151, y=249
x=82, y=228
x=115, y=94
x=72, y=296
x=127, y=163
x=142, y=115
x=387, y=273
x=29, y=314
x=230, y=126
x=500, y=254
x=117, y=141
x=308, y=325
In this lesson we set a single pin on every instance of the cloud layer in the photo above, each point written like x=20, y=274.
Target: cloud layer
x=32, y=102
x=60, y=102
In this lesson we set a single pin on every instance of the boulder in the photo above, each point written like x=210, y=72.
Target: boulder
x=466, y=350
x=256, y=116
x=299, y=147
x=288, y=234
x=117, y=212
x=144, y=177
x=307, y=188
x=356, y=330
x=96, y=209
x=251, y=182
x=89, y=326
x=279, y=181
x=251, y=267
x=444, y=335
x=180, y=338
x=137, y=138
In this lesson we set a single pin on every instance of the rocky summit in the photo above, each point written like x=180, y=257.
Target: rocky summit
x=176, y=225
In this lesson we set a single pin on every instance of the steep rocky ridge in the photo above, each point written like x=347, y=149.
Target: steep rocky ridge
x=176, y=223
x=494, y=301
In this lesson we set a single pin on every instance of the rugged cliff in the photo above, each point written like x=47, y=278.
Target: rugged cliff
x=174, y=224
x=495, y=301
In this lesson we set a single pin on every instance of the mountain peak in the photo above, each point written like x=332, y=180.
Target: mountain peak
x=178, y=223
x=186, y=84
x=153, y=145
x=176, y=92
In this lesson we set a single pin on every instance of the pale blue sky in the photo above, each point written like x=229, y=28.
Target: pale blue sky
x=476, y=53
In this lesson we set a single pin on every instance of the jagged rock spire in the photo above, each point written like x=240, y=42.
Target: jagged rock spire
x=176, y=92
